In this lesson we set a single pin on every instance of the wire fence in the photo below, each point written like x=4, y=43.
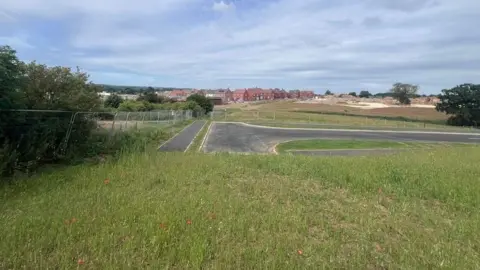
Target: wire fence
x=33, y=136
x=325, y=119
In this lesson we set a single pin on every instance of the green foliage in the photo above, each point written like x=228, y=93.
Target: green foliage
x=113, y=101
x=30, y=138
x=462, y=103
x=328, y=93
x=151, y=97
x=201, y=100
x=403, y=92
x=364, y=94
x=11, y=123
x=353, y=94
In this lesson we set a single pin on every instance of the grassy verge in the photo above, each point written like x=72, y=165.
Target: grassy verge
x=305, y=124
x=334, y=119
x=197, y=142
x=338, y=144
x=193, y=211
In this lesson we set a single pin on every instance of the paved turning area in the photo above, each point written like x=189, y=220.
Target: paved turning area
x=181, y=141
x=246, y=138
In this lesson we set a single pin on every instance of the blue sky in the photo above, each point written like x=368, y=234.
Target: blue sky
x=342, y=45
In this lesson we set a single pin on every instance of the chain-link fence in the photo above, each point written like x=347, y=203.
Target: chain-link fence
x=325, y=119
x=36, y=136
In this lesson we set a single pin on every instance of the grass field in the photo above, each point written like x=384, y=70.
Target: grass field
x=158, y=210
x=414, y=113
x=280, y=113
x=352, y=144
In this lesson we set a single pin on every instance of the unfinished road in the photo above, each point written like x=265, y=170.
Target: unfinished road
x=181, y=141
x=247, y=138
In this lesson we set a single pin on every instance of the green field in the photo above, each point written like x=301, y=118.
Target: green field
x=353, y=144
x=197, y=211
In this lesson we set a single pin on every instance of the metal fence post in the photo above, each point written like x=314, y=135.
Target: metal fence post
x=113, y=122
x=126, y=120
x=69, y=131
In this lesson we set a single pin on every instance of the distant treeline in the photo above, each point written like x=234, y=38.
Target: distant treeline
x=134, y=90
x=390, y=94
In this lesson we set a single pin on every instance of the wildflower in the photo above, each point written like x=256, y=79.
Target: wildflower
x=106, y=181
x=378, y=247
x=163, y=226
x=70, y=221
x=80, y=262
x=300, y=252
x=189, y=222
x=212, y=215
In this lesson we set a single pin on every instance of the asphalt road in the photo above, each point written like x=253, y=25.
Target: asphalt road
x=181, y=141
x=245, y=138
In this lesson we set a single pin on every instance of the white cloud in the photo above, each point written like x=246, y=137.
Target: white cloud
x=222, y=6
x=284, y=43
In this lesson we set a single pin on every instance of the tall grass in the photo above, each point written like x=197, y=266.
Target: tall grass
x=190, y=211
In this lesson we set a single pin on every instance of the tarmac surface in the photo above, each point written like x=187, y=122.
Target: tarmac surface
x=181, y=141
x=247, y=138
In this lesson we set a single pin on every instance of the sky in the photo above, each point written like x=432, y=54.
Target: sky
x=341, y=45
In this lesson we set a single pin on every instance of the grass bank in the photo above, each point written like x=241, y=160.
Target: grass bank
x=338, y=144
x=331, y=118
x=172, y=210
x=355, y=144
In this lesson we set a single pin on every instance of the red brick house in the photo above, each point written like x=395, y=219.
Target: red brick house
x=279, y=94
x=240, y=95
x=255, y=94
x=179, y=94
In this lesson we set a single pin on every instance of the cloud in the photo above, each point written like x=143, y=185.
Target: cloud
x=345, y=45
x=222, y=6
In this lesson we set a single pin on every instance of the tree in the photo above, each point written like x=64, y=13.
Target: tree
x=151, y=97
x=403, y=92
x=201, y=100
x=462, y=103
x=60, y=88
x=354, y=94
x=113, y=101
x=43, y=134
x=364, y=94
x=11, y=98
x=328, y=93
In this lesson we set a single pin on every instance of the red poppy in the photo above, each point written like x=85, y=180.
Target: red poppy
x=300, y=252
x=106, y=181
x=189, y=222
x=80, y=261
x=212, y=215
